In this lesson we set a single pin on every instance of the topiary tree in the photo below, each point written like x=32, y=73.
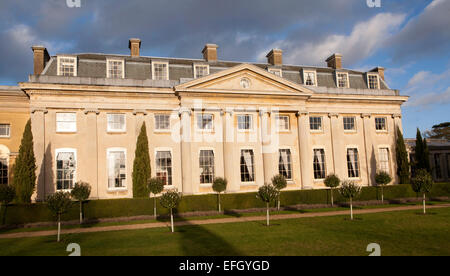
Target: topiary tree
x=422, y=182
x=141, y=165
x=332, y=181
x=81, y=192
x=382, y=178
x=170, y=200
x=268, y=193
x=59, y=203
x=7, y=195
x=25, y=168
x=350, y=190
x=403, y=171
x=279, y=182
x=219, y=186
x=155, y=186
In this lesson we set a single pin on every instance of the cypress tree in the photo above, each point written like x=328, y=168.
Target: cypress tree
x=426, y=156
x=419, y=164
x=25, y=167
x=141, y=165
x=402, y=159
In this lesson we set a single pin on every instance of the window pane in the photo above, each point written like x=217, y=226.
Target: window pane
x=380, y=123
x=160, y=71
x=67, y=66
x=247, y=166
x=66, y=122
x=373, y=82
x=65, y=170
x=319, y=164
x=3, y=171
x=116, y=122
x=285, y=163
x=245, y=122
x=164, y=166
x=315, y=123
x=116, y=169
x=201, y=71
x=283, y=122
x=352, y=163
x=115, y=69
x=384, y=159
x=342, y=80
x=5, y=130
x=206, y=166
x=349, y=123
x=162, y=121
x=310, y=78
x=205, y=121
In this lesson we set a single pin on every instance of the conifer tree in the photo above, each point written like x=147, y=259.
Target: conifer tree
x=402, y=159
x=419, y=151
x=426, y=156
x=25, y=168
x=141, y=165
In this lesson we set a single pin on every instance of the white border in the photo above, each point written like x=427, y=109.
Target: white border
x=107, y=67
x=166, y=187
x=378, y=80
x=271, y=70
x=385, y=124
x=66, y=131
x=75, y=69
x=202, y=65
x=317, y=147
x=321, y=130
x=359, y=162
x=276, y=122
x=124, y=129
x=9, y=136
x=196, y=122
x=251, y=183
x=291, y=180
x=162, y=130
x=389, y=158
x=337, y=80
x=5, y=154
x=252, y=129
x=206, y=185
x=160, y=62
x=315, y=77
x=350, y=130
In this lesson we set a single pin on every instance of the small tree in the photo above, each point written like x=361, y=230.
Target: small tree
x=170, y=200
x=81, y=192
x=402, y=159
x=155, y=186
x=382, y=178
x=332, y=181
x=25, y=168
x=7, y=195
x=422, y=182
x=141, y=165
x=350, y=190
x=268, y=193
x=219, y=186
x=59, y=203
x=279, y=182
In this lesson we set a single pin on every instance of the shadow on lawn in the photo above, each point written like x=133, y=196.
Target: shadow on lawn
x=196, y=240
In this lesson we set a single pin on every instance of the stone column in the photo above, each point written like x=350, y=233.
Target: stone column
x=229, y=152
x=38, y=130
x=337, y=132
x=306, y=162
x=268, y=147
x=91, y=148
x=186, y=157
x=371, y=163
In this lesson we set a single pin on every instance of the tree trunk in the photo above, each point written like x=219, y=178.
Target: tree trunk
x=81, y=212
x=267, y=217
x=219, y=202
x=59, y=227
x=154, y=207
x=351, y=209
x=382, y=195
x=424, y=209
x=278, y=206
x=332, y=202
x=171, y=219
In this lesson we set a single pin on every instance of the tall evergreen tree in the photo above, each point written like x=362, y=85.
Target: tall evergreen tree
x=426, y=156
x=141, y=165
x=25, y=167
x=419, y=152
x=402, y=159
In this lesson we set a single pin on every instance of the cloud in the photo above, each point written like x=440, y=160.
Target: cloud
x=427, y=89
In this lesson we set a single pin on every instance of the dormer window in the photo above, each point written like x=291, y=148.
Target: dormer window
x=276, y=72
x=373, y=81
x=201, y=70
x=67, y=66
x=115, y=69
x=342, y=80
x=160, y=70
x=309, y=78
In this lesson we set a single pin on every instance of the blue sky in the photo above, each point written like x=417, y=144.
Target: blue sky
x=410, y=38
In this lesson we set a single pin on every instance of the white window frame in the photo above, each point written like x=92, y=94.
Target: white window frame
x=389, y=169
x=250, y=183
x=160, y=62
x=6, y=157
x=75, y=62
x=200, y=65
x=201, y=114
x=355, y=124
x=214, y=165
x=277, y=117
x=108, y=74
x=321, y=124
x=162, y=129
x=347, y=79
x=292, y=162
x=8, y=127
x=66, y=150
x=72, y=130
x=378, y=81
x=358, y=161
x=273, y=70
x=252, y=126
x=320, y=147
x=385, y=124
x=162, y=149
x=315, y=77
x=108, y=152
x=123, y=129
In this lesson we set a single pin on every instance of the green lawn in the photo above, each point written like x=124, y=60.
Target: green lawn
x=398, y=233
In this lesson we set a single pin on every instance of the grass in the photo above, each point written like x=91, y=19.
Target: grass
x=398, y=233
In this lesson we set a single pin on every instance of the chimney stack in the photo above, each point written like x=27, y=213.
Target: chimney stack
x=335, y=61
x=40, y=58
x=134, y=44
x=275, y=57
x=380, y=71
x=210, y=52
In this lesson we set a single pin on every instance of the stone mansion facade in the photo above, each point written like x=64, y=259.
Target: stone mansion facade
x=206, y=118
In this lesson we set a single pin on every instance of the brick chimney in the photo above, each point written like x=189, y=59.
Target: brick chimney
x=210, y=52
x=40, y=58
x=275, y=57
x=379, y=70
x=134, y=45
x=335, y=61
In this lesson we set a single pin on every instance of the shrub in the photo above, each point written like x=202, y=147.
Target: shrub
x=350, y=190
x=279, y=182
x=268, y=193
x=155, y=186
x=332, y=181
x=81, y=192
x=219, y=186
x=59, y=203
x=422, y=182
x=382, y=178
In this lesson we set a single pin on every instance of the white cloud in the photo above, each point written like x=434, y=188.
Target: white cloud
x=427, y=89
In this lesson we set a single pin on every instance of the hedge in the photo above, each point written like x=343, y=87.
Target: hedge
x=95, y=209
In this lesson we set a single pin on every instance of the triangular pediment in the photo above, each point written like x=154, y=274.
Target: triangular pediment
x=244, y=78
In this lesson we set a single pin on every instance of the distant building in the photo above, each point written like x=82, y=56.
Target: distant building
x=207, y=118
x=439, y=157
